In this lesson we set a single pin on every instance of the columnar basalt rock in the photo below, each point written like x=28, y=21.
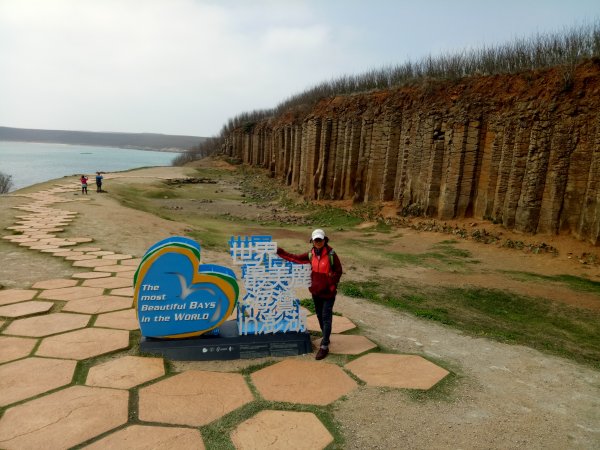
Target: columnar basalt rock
x=517, y=149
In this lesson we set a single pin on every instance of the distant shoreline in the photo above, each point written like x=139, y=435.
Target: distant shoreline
x=133, y=141
x=128, y=147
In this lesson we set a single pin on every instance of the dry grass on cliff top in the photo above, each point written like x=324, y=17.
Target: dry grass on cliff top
x=532, y=290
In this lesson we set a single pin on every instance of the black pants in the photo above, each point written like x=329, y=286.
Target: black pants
x=324, y=310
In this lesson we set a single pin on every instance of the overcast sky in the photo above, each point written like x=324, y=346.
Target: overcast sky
x=186, y=66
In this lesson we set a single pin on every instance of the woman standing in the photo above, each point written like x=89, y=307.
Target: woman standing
x=325, y=276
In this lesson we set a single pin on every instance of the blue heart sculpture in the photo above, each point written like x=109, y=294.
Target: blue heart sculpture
x=176, y=297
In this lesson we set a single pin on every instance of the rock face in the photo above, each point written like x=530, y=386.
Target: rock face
x=522, y=149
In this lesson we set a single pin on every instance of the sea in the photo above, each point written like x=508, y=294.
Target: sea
x=30, y=163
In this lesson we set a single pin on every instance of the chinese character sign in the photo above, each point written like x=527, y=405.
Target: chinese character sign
x=175, y=296
x=269, y=305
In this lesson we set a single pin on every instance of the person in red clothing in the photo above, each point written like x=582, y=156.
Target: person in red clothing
x=325, y=276
x=84, y=181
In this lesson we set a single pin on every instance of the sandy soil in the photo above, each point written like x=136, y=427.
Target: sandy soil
x=499, y=396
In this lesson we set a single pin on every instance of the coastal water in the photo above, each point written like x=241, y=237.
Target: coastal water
x=31, y=163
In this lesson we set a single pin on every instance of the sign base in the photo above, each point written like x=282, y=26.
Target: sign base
x=228, y=345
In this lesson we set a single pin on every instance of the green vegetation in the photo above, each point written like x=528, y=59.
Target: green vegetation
x=547, y=326
x=573, y=282
x=443, y=257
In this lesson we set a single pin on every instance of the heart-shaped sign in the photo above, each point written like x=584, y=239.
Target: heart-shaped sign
x=176, y=297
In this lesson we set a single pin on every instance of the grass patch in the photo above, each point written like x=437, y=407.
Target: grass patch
x=547, y=326
x=571, y=281
x=216, y=435
x=442, y=256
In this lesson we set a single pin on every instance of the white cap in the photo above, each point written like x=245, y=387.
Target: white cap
x=318, y=234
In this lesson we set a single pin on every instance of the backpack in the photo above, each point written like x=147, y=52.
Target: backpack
x=330, y=254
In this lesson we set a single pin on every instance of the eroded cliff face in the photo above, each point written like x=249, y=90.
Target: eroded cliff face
x=520, y=149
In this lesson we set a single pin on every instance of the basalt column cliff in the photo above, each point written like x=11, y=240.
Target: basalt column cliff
x=520, y=149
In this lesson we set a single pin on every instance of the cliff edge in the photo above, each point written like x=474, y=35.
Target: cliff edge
x=523, y=149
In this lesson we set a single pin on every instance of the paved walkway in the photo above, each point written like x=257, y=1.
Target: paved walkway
x=71, y=374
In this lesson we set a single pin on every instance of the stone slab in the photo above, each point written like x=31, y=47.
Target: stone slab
x=125, y=372
x=25, y=308
x=90, y=275
x=55, y=283
x=8, y=296
x=140, y=437
x=71, y=293
x=193, y=398
x=121, y=320
x=63, y=419
x=306, y=382
x=339, y=324
x=33, y=376
x=347, y=344
x=97, y=305
x=47, y=324
x=117, y=257
x=114, y=268
x=12, y=348
x=397, y=371
x=271, y=430
x=125, y=292
x=82, y=344
x=107, y=283
x=96, y=262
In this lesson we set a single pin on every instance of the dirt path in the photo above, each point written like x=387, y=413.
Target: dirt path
x=500, y=396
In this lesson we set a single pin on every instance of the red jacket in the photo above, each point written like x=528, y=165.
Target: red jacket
x=324, y=279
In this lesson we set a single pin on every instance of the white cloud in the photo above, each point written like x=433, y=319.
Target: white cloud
x=186, y=66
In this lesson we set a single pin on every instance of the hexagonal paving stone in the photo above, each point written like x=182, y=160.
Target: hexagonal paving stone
x=347, y=344
x=81, y=257
x=71, y=293
x=125, y=292
x=84, y=343
x=339, y=325
x=107, y=283
x=63, y=419
x=8, y=296
x=307, y=382
x=399, y=371
x=132, y=262
x=25, y=308
x=90, y=275
x=101, y=253
x=88, y=249
x=121, y=320
x=115, y=268
x=32, y=376
x=12, y=348
x=96, y=262
x=100, y=304
x=125, y=372
x=55, y=283
x=193, y=398
x=48, y=324
x=281, y=430
x=117, y=257
x=128, y=275
x=142, y=437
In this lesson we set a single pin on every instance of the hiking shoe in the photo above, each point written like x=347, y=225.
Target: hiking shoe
x=322, y=353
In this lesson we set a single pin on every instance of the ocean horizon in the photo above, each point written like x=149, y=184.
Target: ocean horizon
x=29, y=163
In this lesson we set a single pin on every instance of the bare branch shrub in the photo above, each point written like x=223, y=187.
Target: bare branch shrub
x=562, y=49
x=6, y=183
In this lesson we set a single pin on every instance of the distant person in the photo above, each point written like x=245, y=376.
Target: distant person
x=325, y=276
x=99, y=181
x=84, y=181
